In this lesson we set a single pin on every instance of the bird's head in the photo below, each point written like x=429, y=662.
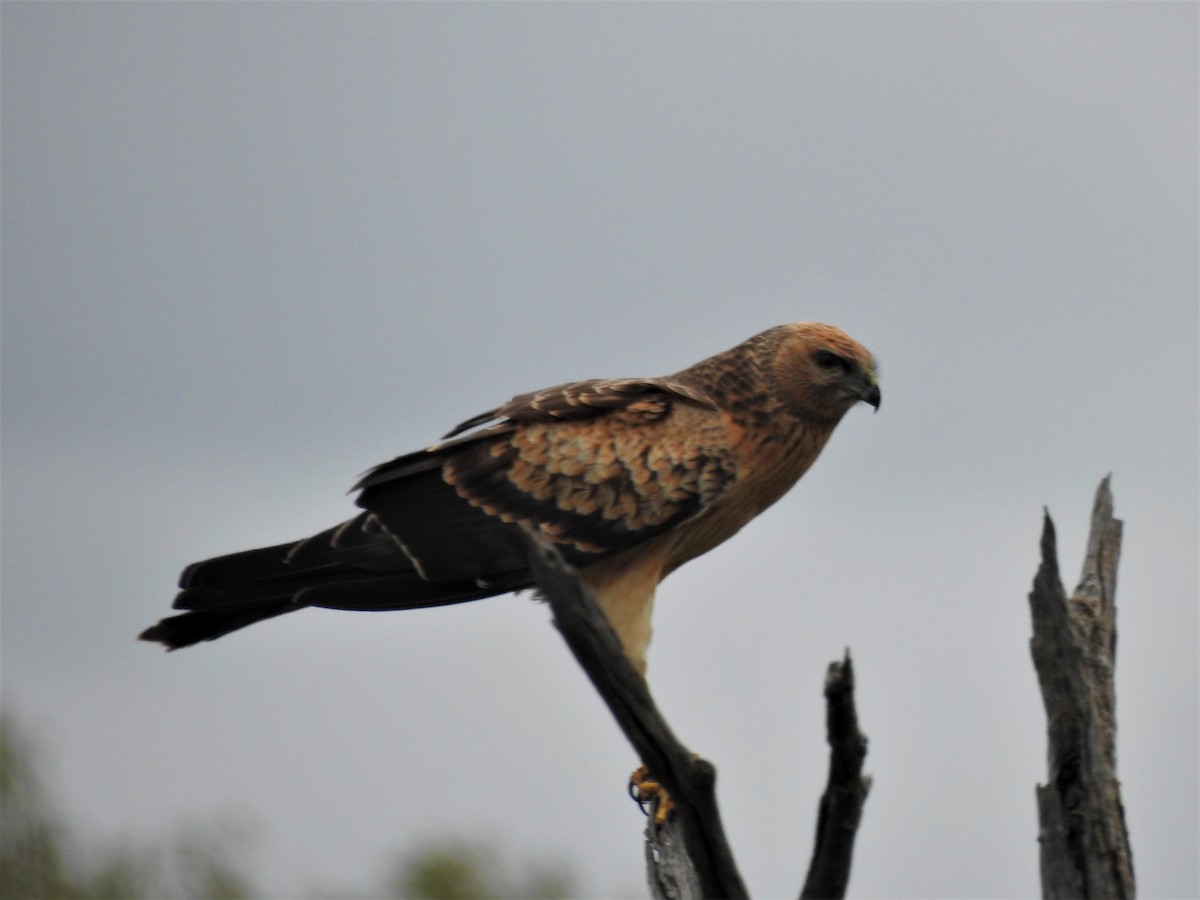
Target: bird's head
x=822, y=371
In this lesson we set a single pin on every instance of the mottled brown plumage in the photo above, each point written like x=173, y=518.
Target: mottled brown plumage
x=629, y=478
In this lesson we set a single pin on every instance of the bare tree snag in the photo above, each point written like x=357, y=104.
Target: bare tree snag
x=669, y=870
x=1084, y=844
x=687, y=855
x=695, y=829
x=845, y=793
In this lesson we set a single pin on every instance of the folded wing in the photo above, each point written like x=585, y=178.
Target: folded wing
x=596, y=467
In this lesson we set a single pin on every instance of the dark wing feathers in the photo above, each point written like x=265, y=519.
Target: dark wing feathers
x=360, y=542
x=427, y=460
x=443, y=535
x=582, y=399
x=259, y=565
x=390, y=591
x=444, y=524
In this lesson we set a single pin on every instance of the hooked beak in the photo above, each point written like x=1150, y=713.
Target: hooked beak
x=868, y=391
x=873, y=396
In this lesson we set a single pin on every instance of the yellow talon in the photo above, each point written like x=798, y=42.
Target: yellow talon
x=648, y=791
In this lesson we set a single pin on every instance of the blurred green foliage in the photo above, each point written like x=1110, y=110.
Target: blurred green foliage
x=457, y=870
x=44, y=857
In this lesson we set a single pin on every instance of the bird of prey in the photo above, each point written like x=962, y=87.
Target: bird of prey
x=628, y=478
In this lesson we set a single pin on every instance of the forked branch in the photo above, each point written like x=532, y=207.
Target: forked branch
x=688, y=855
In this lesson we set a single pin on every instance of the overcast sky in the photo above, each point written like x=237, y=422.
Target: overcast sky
x=250, y=250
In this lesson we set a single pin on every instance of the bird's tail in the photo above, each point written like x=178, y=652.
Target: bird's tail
x=354, y=566
x=230, y=592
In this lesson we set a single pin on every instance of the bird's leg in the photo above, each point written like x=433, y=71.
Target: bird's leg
x=624, y=589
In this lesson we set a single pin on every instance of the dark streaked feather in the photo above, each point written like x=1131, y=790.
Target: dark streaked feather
x=582, y=399
x=443, y=535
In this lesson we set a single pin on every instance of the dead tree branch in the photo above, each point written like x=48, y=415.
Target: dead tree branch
x=1085, y=848
x=845, y=793
x=689, y=780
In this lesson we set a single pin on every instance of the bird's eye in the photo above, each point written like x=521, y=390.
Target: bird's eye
x=827, y=360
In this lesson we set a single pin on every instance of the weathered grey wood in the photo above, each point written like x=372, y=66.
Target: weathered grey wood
x=846, y=790
x=669, y=871
x=1085, y=848
x=689, y=780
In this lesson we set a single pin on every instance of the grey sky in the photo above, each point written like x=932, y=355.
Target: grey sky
x=250, y=250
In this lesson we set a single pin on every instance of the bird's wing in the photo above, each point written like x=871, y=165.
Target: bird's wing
x=585, y=399
x=596, y=467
